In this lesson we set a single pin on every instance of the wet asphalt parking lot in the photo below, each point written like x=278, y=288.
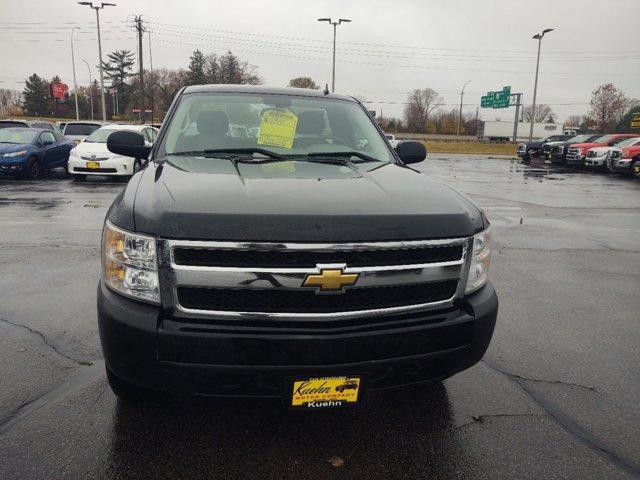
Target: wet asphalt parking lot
x=557, y=395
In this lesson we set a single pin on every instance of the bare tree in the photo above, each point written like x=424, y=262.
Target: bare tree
x=543, y=114
x=10, y=100
x=303, y=82
x=420, y=104
x=574, y=120
x=608, y=104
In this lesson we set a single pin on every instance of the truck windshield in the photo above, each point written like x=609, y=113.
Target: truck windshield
x=628, y=142
x=603, y=139
x=80, y=128
x=580, y=138
x=285, y=125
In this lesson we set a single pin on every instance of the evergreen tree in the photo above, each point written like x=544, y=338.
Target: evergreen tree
x=118, y=68
x=36, y=96
x=196, y=72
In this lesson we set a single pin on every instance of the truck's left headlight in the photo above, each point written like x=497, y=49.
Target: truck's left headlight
x=480, y=261
x=129, y=264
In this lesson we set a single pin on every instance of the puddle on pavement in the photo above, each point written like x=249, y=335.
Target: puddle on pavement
x=38, y=203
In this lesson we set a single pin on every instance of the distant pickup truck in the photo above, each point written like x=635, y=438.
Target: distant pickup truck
x=392, y=139
x=535, y=149
x=627, y=160
x=577, y=152
x=556, y=152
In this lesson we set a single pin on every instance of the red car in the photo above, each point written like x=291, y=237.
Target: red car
x=627, y=162
x=578, y=151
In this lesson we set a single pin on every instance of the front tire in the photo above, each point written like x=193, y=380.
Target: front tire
x=635, y=168
x=35, y=170
x=79, y=178
x=124, y=390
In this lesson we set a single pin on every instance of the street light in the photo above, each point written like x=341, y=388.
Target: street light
x=97, y=7
x=537, y=36
x=460, y=116
x=73, y=65
x=335, y=24
x=90, y=88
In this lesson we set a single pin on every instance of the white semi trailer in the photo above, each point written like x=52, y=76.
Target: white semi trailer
x=501, y=131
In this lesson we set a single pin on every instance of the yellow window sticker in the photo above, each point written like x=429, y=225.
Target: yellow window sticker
x=278, y=128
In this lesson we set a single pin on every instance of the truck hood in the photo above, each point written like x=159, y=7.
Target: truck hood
x=205, y=198
x=630, y=152
x=587, y=145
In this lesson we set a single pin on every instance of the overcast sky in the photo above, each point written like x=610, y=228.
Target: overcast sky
x=389, y=48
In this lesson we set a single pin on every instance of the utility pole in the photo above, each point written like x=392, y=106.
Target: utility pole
x=97, y=7
x=151, y=75
x=518, y=97
x=460, y=116
x=477, y=125
x=335, y=24
x=73, y=66
x=90, y=87
x=140, y=29
x=538, y=37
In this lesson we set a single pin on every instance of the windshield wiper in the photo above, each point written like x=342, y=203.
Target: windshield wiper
x=230, y=153
x=346, y=155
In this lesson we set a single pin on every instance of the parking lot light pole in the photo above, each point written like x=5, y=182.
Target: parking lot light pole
x=537, y=36
x=460, y=115
x=97, y=7
x=90, y=87
x=73, y=66
x=335, y=24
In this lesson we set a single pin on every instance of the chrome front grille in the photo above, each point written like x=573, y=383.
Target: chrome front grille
x=573, y=153
x=199, y=280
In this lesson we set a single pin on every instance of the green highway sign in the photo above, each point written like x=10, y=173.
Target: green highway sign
x=635, y=120
x=487, y=100
x=499, y=99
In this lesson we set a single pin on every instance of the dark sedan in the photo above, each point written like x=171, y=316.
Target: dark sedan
x=30, y=151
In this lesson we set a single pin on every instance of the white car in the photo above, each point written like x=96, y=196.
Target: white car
x=91, y=156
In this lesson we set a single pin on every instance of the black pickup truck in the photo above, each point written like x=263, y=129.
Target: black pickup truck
x=535, y=149
x=289, y=261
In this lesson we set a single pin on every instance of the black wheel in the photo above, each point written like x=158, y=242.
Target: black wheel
x=124, y=390
x=79, y=178
x=35, y=170
x=635, y=168
x=526, y=159
x=137, y=165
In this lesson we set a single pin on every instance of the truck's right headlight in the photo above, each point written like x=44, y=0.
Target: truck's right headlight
x=480, y=261
x=129, y=264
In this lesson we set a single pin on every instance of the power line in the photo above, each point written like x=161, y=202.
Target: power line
x=419, y=67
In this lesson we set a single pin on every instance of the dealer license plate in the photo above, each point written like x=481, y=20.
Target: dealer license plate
x=93, y=165
x=325, y=392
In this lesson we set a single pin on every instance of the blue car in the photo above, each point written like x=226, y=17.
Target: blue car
x=30, y=151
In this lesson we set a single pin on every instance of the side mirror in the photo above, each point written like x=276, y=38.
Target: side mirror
x=128, y=143
x=47, y=142
x=411, y=151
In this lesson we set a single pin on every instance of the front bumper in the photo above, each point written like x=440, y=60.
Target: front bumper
x=119, y=167
x=13, y=166
x=577, y=160
x=146, y=348
x=621, y=165
x=595, y=162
